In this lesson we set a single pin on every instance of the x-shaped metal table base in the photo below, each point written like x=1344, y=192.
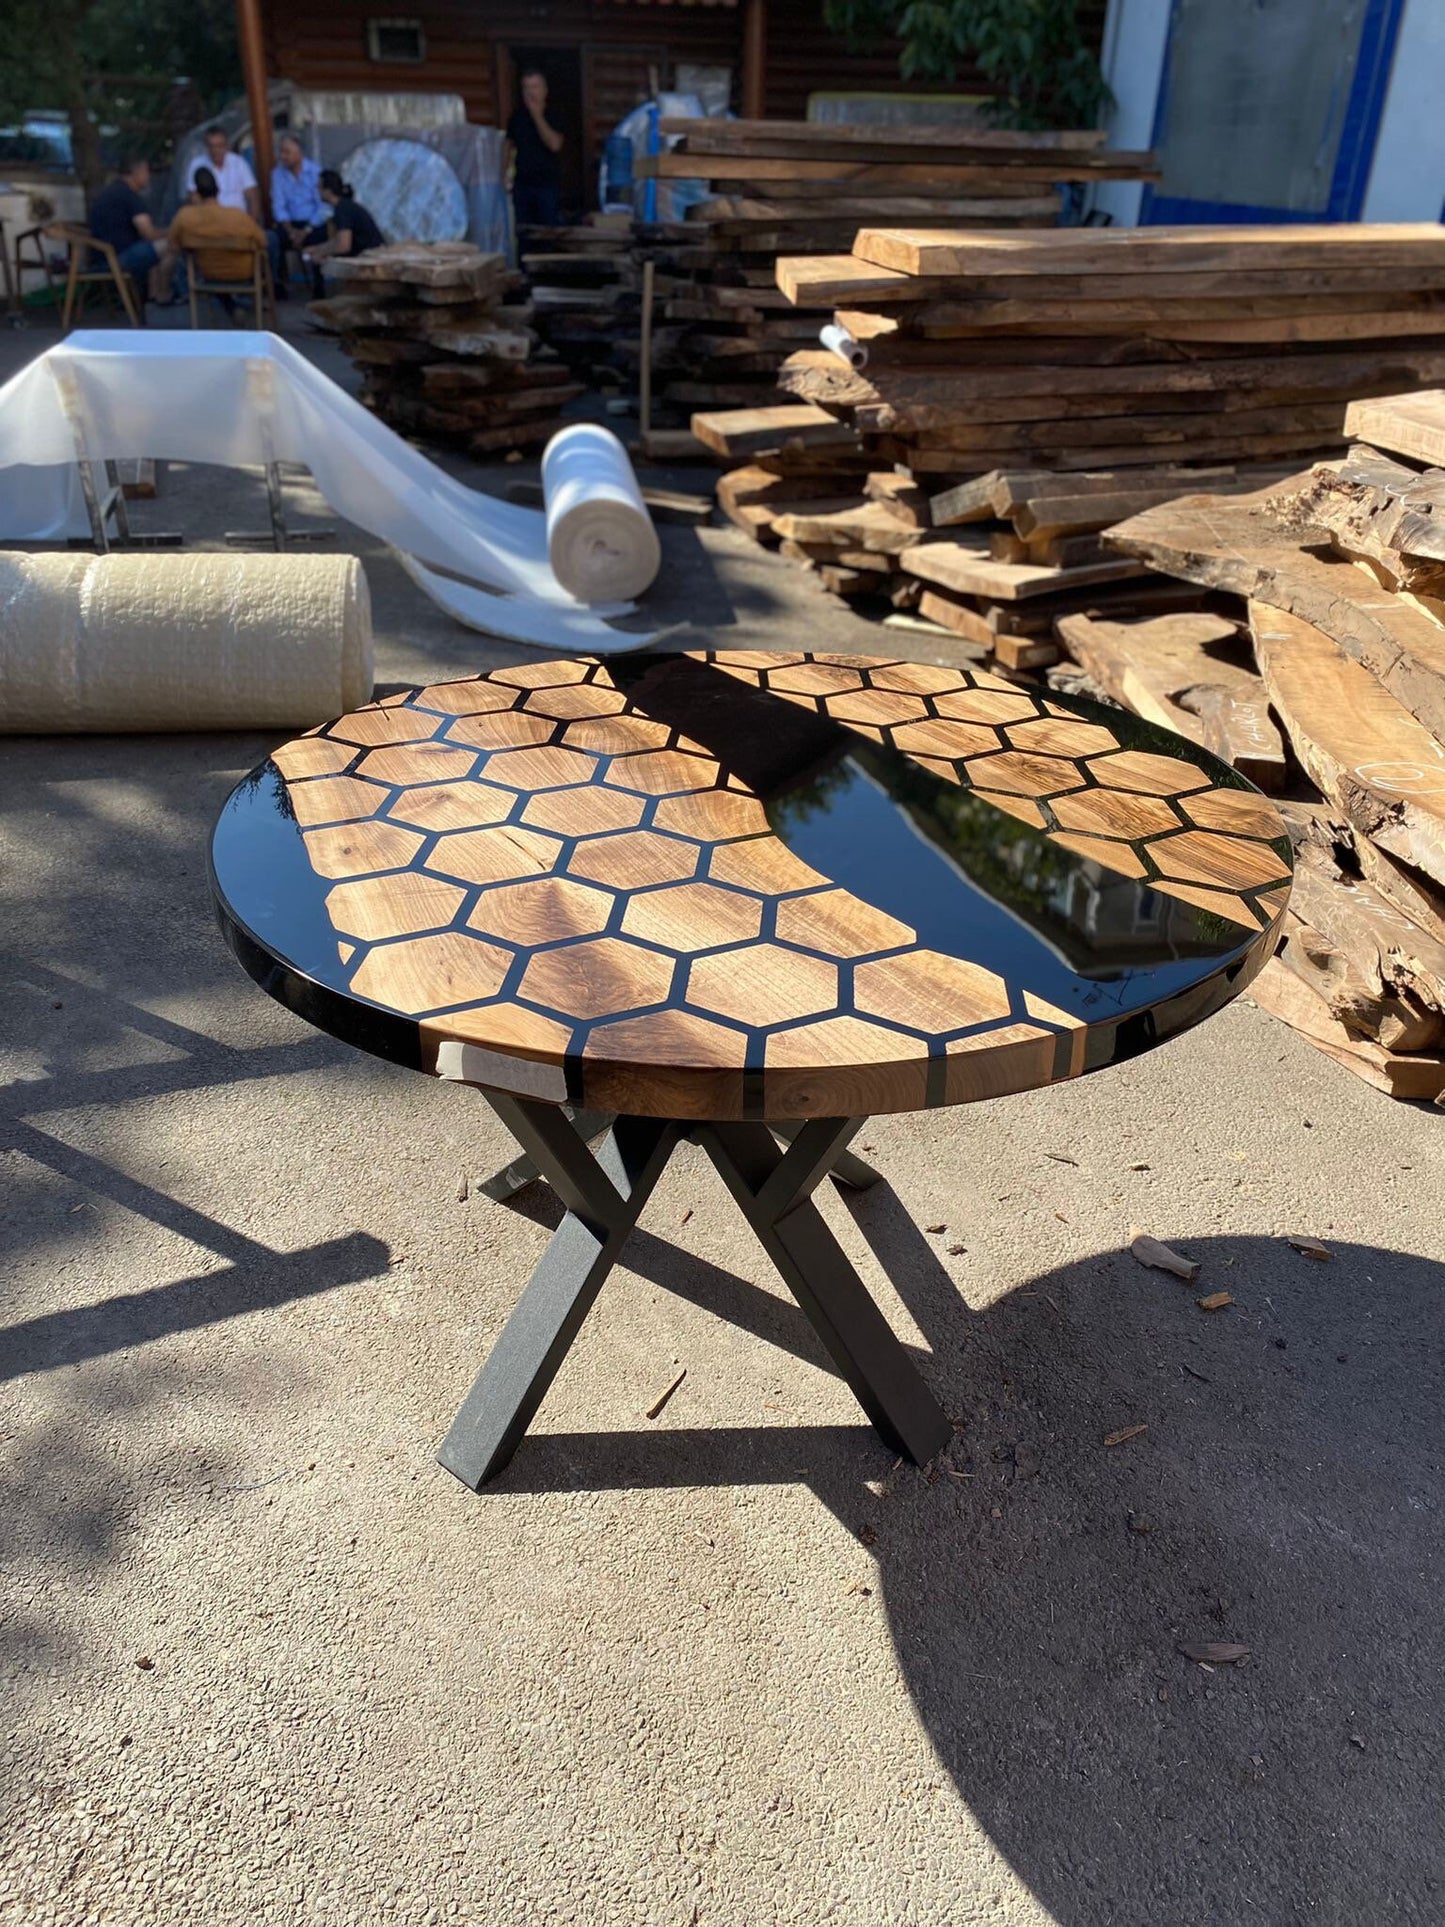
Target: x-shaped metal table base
x=605, y=1191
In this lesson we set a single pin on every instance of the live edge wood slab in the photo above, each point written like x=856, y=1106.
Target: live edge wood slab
x=735, y=886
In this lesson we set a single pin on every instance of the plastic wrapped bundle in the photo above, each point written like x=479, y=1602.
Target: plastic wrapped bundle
x=600, y=539
x=181, y=642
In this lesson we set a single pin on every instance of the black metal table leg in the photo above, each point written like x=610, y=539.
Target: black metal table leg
x=846, y=1168
x=605, y=1192
x=602, y=1209
x=777, y=1204
x=522, y=1170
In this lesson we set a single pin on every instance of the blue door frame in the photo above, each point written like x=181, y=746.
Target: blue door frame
x=1363, y=112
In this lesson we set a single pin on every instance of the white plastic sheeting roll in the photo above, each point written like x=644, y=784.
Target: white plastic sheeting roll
x=600, y=539
x=842, y=344
x=240, y=399
x=167, y=642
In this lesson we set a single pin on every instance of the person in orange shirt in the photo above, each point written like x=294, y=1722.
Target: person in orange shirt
x=218, y=235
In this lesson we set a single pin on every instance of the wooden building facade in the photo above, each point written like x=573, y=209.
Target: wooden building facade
x=600, y=55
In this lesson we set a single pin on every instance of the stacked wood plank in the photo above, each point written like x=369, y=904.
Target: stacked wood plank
x=583, y=284
x=1036, y=387
x=444, y=345
x=1340, y=573
x=797, y=188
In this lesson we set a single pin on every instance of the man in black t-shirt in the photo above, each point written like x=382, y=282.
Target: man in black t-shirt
x=535, y=144
x=119, y=216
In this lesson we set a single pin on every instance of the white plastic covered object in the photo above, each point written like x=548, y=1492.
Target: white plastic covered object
x=600, y=538
x=242, y=399
x=159, y=642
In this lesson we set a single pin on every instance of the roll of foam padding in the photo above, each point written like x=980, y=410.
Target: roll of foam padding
x=842, y=344
x=171, y=642
x=600, y=538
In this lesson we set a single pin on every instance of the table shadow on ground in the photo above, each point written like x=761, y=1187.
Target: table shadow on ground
x=1037, y=1584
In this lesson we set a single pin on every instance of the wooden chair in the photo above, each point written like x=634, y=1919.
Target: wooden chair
x=256, y=282
x=33, y=238
x=83, y=247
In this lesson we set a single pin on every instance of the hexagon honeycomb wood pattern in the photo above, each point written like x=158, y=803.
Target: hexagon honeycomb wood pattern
x=546, y=878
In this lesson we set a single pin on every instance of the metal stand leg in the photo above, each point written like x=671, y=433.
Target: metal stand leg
x=604, y=1199
x=605, y=1194
x=279, y=536
x=774, y=1190
x=522, y=1171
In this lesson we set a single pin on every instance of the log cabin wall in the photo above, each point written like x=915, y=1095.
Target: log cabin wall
x=323, y=43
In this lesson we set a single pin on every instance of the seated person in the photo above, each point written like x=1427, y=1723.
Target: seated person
x=353, y=231
x=223, y=239
x=235, y=183
x=297, y=209
x=119, y=216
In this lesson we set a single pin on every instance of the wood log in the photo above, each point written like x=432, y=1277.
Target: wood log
x=865, y=525
x=1361, y=747
x=1235, y=544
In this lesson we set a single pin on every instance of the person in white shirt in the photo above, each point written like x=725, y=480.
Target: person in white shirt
x=234, y=179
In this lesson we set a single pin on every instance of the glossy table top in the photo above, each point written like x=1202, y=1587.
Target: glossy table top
x=746, y=885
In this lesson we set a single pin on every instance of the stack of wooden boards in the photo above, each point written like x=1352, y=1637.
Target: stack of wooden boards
x=584, y=286
x=801, y=188
x=991, y=564
x=1342, y=576
x=444, y=345
x=1067, y=379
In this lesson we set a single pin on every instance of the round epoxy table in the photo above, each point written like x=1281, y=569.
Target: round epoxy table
x=742, y=898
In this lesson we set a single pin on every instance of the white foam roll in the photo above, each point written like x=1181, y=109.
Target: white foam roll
x=600, y=538
x=842, y=344
x=171, y=642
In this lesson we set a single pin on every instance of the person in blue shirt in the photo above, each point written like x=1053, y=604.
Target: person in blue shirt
x=298, y=213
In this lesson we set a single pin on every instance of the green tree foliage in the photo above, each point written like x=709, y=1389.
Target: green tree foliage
x=108, y=63
x=1032, y=51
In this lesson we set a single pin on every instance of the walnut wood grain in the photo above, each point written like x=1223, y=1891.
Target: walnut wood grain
x=568, y=896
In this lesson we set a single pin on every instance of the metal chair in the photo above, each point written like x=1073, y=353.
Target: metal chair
x=256, y=282
x=83, y=248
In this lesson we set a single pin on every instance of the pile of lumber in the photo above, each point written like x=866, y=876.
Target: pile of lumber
x=1341, y=574
x=1024, y=391
x=583, y=284
x=800, y=188
x=444, y=346
x=990, y=565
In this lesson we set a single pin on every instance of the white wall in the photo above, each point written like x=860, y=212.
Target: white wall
x=1135, y=33
x=1407, y=179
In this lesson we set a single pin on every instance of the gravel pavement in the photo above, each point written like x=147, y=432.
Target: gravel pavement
x=264, y=1662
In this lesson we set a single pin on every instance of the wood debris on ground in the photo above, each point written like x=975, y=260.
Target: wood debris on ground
x=1215, y=1652
x=1161, y=1257
x=444, y=342
x=1127, y=1432
x=1215, y=1301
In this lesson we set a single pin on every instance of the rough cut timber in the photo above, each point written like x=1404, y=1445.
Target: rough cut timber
x=1382, y=975
x=1380, y=511
x=441, y=354
x=1286, y=995
x=1362, y=748
x=1237, y=545
x=1409, y=425
x=1187, y=673
x=1107, y=251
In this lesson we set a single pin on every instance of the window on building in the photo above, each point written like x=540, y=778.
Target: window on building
x=395, y=41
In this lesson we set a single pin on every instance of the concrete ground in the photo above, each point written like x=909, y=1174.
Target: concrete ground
x=265, y=1663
